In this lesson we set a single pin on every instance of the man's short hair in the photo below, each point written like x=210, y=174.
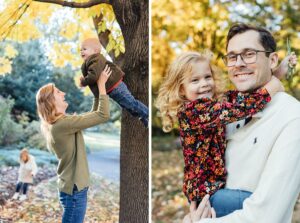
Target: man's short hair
x=265, y=37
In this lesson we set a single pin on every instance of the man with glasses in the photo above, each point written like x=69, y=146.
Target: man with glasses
x=263, y=157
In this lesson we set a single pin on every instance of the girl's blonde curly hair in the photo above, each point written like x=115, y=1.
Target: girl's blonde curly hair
x=170, y=98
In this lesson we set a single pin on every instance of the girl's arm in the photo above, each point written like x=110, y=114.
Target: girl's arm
x=33, y=166
x=289, y=61
x=205, y=113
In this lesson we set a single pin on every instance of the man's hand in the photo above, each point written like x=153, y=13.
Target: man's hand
x=187, y=218
x=204, y=210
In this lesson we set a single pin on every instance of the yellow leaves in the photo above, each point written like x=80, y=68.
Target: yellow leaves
x=10, y=52
x=5, y=66
x=63, y=23
x=5, y=60
x=95, y=11
x=62, y=54
x=101, y=27
x=107, y=12
x=69, y=30
x=10, y=16
x=116, y=44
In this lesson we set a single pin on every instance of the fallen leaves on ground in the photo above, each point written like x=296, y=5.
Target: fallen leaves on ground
x=168, y=202
x=43, y=205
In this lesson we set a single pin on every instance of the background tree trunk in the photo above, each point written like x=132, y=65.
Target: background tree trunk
x=132, y=17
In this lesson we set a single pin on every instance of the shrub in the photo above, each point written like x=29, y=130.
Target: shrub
x=34, y=137
x=10, y=131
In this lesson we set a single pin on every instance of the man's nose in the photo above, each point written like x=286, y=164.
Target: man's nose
x=239, y=61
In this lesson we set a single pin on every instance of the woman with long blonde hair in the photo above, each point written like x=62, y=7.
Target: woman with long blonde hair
x=64, y=137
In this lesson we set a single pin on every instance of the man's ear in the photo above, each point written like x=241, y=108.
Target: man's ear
x=273, y=60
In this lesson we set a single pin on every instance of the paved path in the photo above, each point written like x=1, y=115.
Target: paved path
x=104, y=156
x=106, y=163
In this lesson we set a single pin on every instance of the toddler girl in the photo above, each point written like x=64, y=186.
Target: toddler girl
x=27, y=170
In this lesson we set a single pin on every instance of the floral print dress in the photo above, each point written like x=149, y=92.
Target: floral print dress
x=202, y=132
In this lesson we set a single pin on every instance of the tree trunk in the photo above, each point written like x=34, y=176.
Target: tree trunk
x=132, y=17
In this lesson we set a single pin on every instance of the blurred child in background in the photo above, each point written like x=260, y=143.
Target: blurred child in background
x=27, y=171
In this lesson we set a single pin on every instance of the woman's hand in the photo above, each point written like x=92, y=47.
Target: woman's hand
x=105, y=74
x=80, y=81
x=204, y=210
x=103, y=77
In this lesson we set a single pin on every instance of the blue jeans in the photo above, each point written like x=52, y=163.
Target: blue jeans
x=226, y=201
x=22, y=185
x=74, y=206
x=124, y=98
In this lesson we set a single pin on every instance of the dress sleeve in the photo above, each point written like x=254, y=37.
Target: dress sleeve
x=277, y=191
x=207, y=113
x=34, y=166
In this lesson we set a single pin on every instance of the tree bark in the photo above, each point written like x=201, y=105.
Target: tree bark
x=132, y=17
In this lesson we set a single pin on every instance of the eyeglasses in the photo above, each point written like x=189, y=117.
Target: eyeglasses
x=247, y=56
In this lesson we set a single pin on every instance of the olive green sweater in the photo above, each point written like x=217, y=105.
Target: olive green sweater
x=68, y=145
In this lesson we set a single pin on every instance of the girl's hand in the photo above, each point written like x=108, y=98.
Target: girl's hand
x=103, y=77
x=282, y=70
x=204, y=210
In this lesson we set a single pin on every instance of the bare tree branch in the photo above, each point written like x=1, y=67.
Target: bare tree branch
x=103, y=36
x=75, y=4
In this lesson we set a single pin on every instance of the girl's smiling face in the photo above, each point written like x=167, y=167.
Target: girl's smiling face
x=200, y=84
